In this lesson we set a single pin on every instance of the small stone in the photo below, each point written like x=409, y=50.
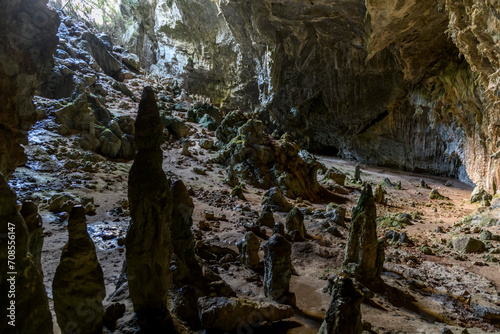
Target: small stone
x=379, y=195
x=446, y=331
x=277, y=268
x=295, y=222
x=199, y=171
x=249, y=250
x=209, y=215
x=426, y=250
x=266, y=217
x=468, y=245
x=436, y=195
x=334, y=231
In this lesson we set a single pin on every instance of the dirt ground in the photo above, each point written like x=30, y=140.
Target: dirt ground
x=442, y=286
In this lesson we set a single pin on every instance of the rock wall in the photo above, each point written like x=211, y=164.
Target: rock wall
x=27, y=43
x=411, y=84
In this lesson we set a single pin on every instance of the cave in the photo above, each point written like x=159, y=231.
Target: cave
x=199, y=166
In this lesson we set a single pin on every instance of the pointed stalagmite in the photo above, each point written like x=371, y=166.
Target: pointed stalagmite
x=343, y=315
x=363, y=254
x=78, y=286
x=148, y=245
x=379, y=195
x=31, y=312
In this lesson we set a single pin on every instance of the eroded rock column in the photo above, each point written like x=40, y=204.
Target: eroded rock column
x=78, y=286
x=148, y=245
x=364, y=256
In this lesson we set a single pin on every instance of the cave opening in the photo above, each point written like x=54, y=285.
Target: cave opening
x=248, y=166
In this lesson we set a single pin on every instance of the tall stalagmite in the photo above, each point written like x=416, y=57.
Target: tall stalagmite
x=78, y=286
x=31, y=309
x=148, y=245
x=363, y=254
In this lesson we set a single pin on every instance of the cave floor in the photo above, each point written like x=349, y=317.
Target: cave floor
x=440, y=289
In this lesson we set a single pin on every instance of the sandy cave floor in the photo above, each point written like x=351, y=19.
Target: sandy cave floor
x=440, y=284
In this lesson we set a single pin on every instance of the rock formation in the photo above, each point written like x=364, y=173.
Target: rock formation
x=261, y=163
x=278, y=270
x=78, y=285
x=266, y=217
x=364, y=253
x=34, y=222
x=31, y=311
x=344, y=314
x=295, y=222
x=249, y=250
x=227, y=314
x=379, y=196
x=148, y=245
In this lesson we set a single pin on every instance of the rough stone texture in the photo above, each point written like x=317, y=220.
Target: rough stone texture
x=78, y=285
x=109, y=64
x=295, y=222
x=344, y=314
x=336, y=175
x=249, y=250
x=263, y=163
x=277, y=267
x=227, y=314
x=148, y=245
x=34, y=222
x=362, y=257
x=379, y=196
x=27, y=43
x=32, y=309
x=467, y=245
x=228, y=129
x=275, y=200
x=266, y=217
x=479, y=194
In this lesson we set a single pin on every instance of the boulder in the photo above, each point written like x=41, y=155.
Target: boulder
x=468, y=245
x=176, y=127
x=110, y=144
x=344, y=312
x=266, y=217
x=148, y=243
x=78, y=285
x=336, y=175
x=228, y=128
x=206, y=115
x=275, y=200
x=227, y=314
x=436, y=195
x=109, y=64
x=364, y=253
x=479, y=194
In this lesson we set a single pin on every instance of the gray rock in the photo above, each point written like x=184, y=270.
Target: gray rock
x=229, y=127
x=364, y=254
x=110, y=144
x=266, y=217
x=249, y=250
x=468, y=245
x=78, y=285
x=295, y=222
x=344, y=314
x=148, y=243
x=176, y=127
x=109, y=64
x=479, y=194
x=227, y=314
x=276, y=201
x=336, y=175
x=277, y=269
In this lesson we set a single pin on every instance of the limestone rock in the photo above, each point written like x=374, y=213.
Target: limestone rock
x=344, y=314
x=262, y=163
x=180, y=228
x=379, y=196
x=249, y=250
x=266, y=217
x=361, y=256
x=34, y=222
x=436, y=195
x=227, y=314
x=479, y=194
x=295, y=222
x=176, y=127
x=148, y=244
x=336, y=175
x=206, y=115
x=276, y=201
x=229, y=127
x=357, y=174
x=78, y=285
x=32, y=314
x=277, y=268
x=110, y=144
x=467, y=245
x=109, y=64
